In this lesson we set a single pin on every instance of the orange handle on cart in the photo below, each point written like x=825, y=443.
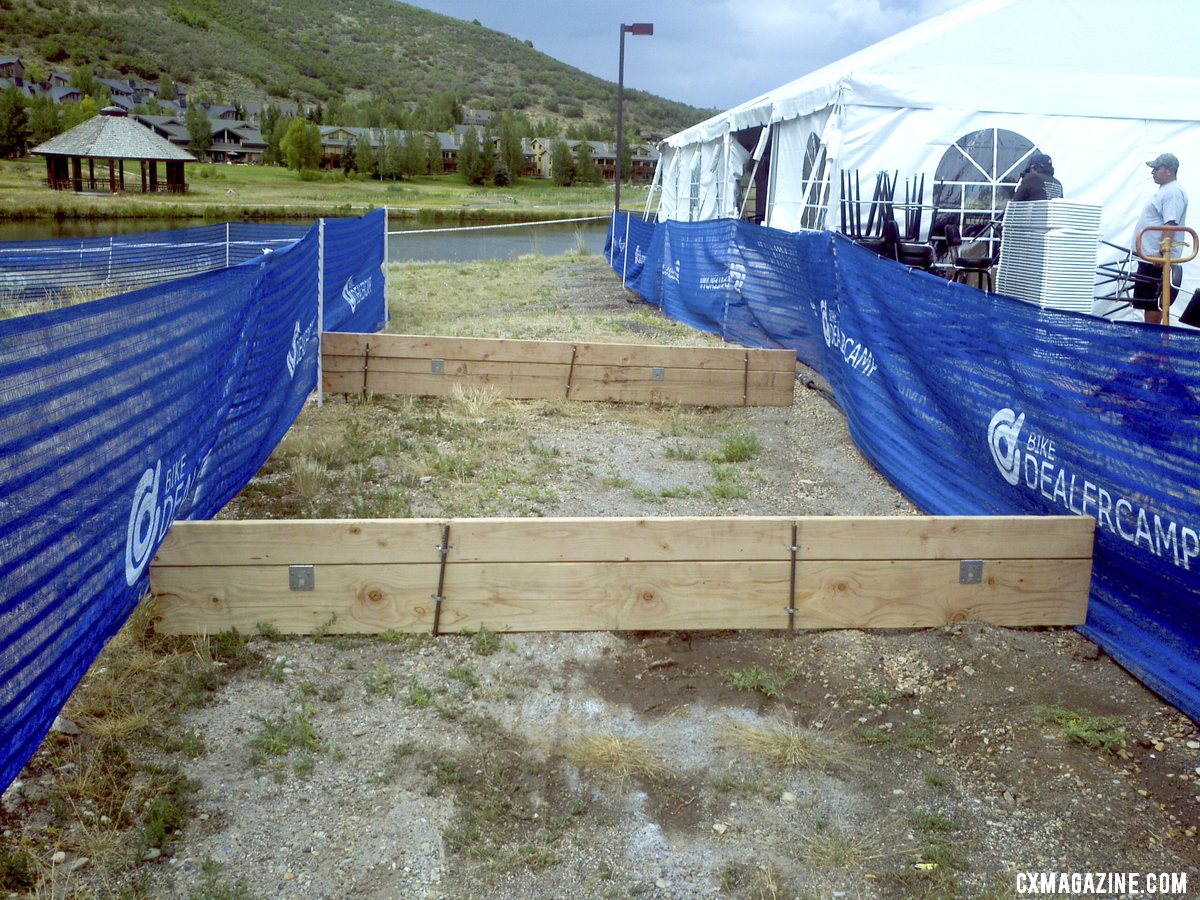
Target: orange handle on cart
x=1166, y=260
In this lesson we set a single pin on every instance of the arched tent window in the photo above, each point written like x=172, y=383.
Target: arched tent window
x=975, y=180
x=816, y=189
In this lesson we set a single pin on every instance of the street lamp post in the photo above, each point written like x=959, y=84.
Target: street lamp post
x=636, y=28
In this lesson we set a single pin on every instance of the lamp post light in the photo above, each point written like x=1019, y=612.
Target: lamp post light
x=636, y=28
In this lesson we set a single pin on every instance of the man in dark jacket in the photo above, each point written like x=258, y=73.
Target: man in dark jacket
x=1038, y=181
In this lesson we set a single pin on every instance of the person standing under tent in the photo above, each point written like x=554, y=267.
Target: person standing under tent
x=1038, y=181
x=1168, y=206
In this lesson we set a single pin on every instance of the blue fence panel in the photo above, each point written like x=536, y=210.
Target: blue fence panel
x=353, y=290
x=979, y=404
x=118, y=416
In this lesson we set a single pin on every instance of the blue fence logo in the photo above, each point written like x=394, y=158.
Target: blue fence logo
x=355, y=293
x=296, y=351
x=854, y=353
x=1004, y=439
x=149, y=518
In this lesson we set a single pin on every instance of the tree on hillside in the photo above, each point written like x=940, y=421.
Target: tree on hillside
x=487, y=156
x=167, y=89
x=365, y=162
x=470, y=165
x=301, y=145
x=511, y=152
x=433, y=156
x=78, y=113
x=412, y=157
x=199, y=131
x=586, y=169
x=14, y=123
x=45, y=120
x=562, y=164
x=626, y=158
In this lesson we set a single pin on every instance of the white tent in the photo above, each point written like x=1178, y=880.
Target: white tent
x=963, y=100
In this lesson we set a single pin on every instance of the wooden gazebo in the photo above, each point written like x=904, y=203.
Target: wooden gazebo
x=114, y=139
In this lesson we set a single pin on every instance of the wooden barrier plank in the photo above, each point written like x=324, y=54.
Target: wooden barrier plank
x=946, y=537
x=714, y=388
x=625, y=539
x=498, y=349
x=358, y=599
x=624, y=596
x=249, y=542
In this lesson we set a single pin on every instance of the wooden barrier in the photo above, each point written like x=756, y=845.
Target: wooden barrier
x=538, y=370
x=428, y=575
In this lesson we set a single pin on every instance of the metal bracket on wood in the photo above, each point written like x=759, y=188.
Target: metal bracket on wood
x=366, y=367
x=571, y=371
x=794, y=549
x=437, y=366
x=443, y=550
x=970, y=571
x=746, y=383
x=302, y=578
x=658, y=373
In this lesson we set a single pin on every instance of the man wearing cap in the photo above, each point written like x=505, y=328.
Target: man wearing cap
x=1168, y=206
x=1038, y=181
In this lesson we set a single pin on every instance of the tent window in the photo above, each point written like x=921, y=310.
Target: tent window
x=816, y=178
x=694, y=190
x=975, y=180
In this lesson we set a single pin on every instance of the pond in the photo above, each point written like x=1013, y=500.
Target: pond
x=407, y=241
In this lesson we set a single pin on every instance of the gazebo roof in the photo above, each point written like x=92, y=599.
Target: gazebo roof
x=112, y=137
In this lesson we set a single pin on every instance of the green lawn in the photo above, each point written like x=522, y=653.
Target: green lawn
x=222, y=192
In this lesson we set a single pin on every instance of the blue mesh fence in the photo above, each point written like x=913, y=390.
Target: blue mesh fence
x=979, y=404
x=120, y=415
x=54, y=272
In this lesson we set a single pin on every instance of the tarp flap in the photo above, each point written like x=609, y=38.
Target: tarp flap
x=120, y=415
x=353, y=291
x=979, y=404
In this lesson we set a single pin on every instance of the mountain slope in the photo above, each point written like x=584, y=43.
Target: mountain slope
x=311, y=50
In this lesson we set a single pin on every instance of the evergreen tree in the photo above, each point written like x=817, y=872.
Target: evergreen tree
x=470, y=164
x=167, y=89
x=274, y=127
x=512, y=154
x=562, y=164
x=350, y=158
x=14, y=123
x=199, y=131
x=487, y=157
x=625, y=156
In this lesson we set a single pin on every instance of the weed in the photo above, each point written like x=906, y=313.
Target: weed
x=935, y=778
x=783, y=745
x=165, y=813
x=681, y=452
x=281, y=737
x=485, y=643
x=873, y=735
x=18, y=870
x=933, y=823
x=269, y=631
x=319, y=633
x=881, y=695
x=620, y=482
x=1102, y=733
x=833, y=848
x=310, y=479
x=725, y=484
x=473, y=402
x=767, y=682
x=922, y=732
x=737, y=445
x=214, y=885
x=465, y=675
x=419, y=697
x=620, y=757
x=380, y=681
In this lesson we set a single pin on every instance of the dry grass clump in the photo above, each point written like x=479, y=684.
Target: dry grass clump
x=785, y=745
x=618, y=757
x=474, y=401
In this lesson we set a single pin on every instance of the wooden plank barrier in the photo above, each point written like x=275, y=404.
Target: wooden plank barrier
x=537, y=370
x=640, y=574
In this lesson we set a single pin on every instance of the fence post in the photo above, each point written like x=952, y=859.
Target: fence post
x=625, y=252
x=612, y=233
x=227, y=245
x=387, y=312
x=320, y=309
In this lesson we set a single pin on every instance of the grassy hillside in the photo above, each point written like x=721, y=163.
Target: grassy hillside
x=312, y=50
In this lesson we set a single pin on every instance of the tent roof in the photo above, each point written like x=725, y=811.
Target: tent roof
x=1098, y=58
x=112, y=137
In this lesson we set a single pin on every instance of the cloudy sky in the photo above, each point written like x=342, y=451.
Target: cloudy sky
x=709, y=53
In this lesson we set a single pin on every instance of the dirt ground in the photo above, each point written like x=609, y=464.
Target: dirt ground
x=939, y=762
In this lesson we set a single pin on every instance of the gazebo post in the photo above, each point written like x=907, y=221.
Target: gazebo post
x=121, y=173
x=76, y=173
x=154, y=175
x=112, y=176
x=91, y=174
x=143, y=164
